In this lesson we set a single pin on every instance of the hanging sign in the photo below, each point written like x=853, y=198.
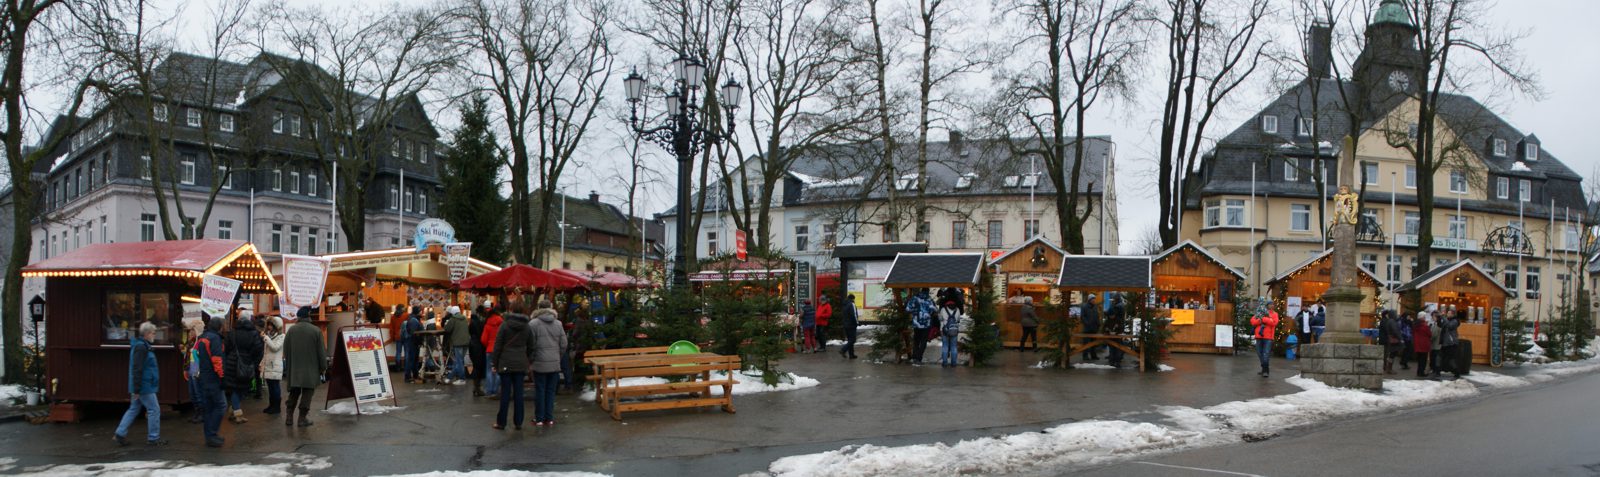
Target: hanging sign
x=1497, y=348
x=739, y=249
x=457, y=258
x=434, y=231
x=303, y=279
x=216, y=294
x=369, y=372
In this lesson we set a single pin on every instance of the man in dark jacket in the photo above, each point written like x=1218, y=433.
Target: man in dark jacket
x=1449, y=342
x=1030, y=324
x=475, y=349
x=413, y=344
x=144, y=379
x=304, y=361
x=241, y=362
x=513, y=355
x=1090, y=314
x=209, y=351
x=848, y=320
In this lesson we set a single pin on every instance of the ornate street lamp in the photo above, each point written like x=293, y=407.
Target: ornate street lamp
x=684, y=134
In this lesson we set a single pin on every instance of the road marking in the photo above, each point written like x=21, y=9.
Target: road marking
x=1202, y=469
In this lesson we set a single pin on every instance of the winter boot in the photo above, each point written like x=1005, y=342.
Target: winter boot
x=273, y=406
x=303, y=421
x=288, y=418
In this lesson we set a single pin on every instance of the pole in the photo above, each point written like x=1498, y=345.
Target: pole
x=1033, y=172
x=680, y=148
x=333, y=232
x=1463, y=223
x=1106, y=188
x=1253, y=271
x=400, y=210
x=1393, y=227
x=563, y=227
x=252, y=216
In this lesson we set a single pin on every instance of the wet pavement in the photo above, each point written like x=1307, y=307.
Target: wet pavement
x=445, y=428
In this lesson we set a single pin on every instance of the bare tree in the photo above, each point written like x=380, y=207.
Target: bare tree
x=1213, y=47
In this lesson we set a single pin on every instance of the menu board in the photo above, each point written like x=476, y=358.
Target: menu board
x=456, y=257
x=303, y=279
x=864, y=279
x=368, y=370
x=1497, y=348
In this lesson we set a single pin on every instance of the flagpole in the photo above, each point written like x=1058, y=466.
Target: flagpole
x=252, y=215
x=400, y=209
x=333, y=210
x=1393, y=227
x=1254, y=272
x=1463, y=222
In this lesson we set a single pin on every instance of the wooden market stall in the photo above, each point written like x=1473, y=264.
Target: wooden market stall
x=98, y=295
x=401, y=276
x=1303, y=285
x=1029, y=271
x=1469, y=288
x=1102, y=274
x=763, y=275
x=1196, y=290
x=932, y=271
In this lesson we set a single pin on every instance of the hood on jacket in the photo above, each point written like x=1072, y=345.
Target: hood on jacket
x=545, y=314
x=244, y=325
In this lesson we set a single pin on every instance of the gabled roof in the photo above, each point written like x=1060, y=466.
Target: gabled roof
x=1036, y=239
x=1432, y=275
x=1197, y=248
x=1307, y=262
x=915, y=270
x=187, y=259
x=1105, y=272
x=877, y=250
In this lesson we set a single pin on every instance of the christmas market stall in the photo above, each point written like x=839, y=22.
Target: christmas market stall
x=753, y=275
x=1196, y=290
x=1480, y=299
x=1303, y=285
x=1026, y=272
x=1104, y=275
x=934, y=271
x=97, y=297
x=402, y=276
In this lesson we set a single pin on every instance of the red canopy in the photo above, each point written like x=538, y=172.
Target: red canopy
x=521, y=277
x=607, y=279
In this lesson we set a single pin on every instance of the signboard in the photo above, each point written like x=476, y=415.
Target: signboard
x=216, y=294
x=1182, y=316
x=457, y=258
x=1292, y=306
x=864, y=279
x=1224, y=336
x=804, y=278
x=303, y=279
x=369, y=372
x=365, y=263
x=1410, y=240
x=739, y=248
x=434, y=231
x=1497, y=348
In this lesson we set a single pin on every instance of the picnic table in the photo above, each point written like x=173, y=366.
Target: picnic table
x=1113, y=340
x=695, y=391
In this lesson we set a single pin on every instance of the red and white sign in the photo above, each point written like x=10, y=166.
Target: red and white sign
x=739, y=249
x=216, y=294
x=303, y=279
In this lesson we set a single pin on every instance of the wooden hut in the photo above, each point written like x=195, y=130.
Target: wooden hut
x=1303, y=285
x=1196, y=290
x=1467, y=287
x=98, y=295
x=1028, y=271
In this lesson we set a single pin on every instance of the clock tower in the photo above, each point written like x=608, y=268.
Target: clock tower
x=1390, y=66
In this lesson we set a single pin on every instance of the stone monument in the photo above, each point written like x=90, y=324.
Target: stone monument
x=1342, y=358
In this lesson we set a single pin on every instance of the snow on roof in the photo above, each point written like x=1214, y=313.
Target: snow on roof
x=820, y=182
x=1520, y=166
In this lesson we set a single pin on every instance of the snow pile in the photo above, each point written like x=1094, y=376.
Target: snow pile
x=859, y=342
x=291, y=464
x=1092, y=366
x=1164, y=368
x=10, y=392
x=1317, y=403
x=348, y=408
x=749, y=382
x=501, y=473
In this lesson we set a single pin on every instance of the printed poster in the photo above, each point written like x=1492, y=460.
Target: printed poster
x=369, y=371
x=456, y=256
x=216, y=294
x=1224, y=336
x=303, y=279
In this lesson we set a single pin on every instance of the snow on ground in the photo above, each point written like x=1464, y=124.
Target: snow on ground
x=501, y=473
x=9, y=392
x=859, y=342
x=348, y=408
x=287, y=464
x=1164, y=368
x=749, y=383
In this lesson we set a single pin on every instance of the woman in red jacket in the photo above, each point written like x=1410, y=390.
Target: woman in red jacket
x=824, y=311
x=1266, y=328
x=491, y=330
x=1422, y=342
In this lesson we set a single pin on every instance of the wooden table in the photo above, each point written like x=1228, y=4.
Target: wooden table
x=1115, y=341
x=697, y=367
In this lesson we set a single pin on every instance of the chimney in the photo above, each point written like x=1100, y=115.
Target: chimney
x=956, y=144
x=1319, y=49
x=594, y=197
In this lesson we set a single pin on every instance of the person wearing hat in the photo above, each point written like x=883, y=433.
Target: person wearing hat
x=272, y=363
x=458, y=335
x=1090, y=315
x=305, y=360
x=208, y=352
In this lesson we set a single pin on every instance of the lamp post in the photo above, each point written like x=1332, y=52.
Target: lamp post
x=684, y=134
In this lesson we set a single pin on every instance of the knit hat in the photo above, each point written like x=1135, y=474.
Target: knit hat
x=454, y=310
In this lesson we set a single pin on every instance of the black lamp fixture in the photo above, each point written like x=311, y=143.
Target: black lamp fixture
x=684, y=134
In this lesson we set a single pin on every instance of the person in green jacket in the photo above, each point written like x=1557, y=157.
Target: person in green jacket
x=458, y=335
x=305, y=360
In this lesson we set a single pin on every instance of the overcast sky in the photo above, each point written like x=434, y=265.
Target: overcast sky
x=1559, y=48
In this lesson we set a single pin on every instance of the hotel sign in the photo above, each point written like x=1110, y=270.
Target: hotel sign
x=1410, y=240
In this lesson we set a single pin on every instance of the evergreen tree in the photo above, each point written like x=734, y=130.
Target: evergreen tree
x=471, y=176
x=890, y=343
x=983, y=340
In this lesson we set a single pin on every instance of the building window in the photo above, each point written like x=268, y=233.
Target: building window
x=1458, y=226
x=311, y=183
x=422, y=202
x=1411, y=131
x=294, y=239
x=394, y=198
x=1300, y=217
x=422, y=152
x=144, y=167
x=1030, y=181
x=276, y=245
x=188, y=170
x=996, y=234
x=105, y=162
x=225, y=229
x=147, y=227
x=1411, y=176
x=830, y=236
x=1502, y=187
x=1509, y=278
x=193, y=118
x=159, y=113
x=105, y=233
x=1307, y=126
x=225, y=177
x=802, y=238
x=1533, y=283
x=89, y=229
x=277, y=122
x=54, y=248
x=1413, y=222
x=410, y=198
x=1531, y=151
x=958, y=234
x=77, y=183
x=965, y=181
x=89, y=178
x=394, y=149
x=1213, y=213
x=77, y=237
x=891, y=232
x=1234, y=212
x=1524, y=190
x=1458, y=181
x=711, y=244
x=294, y=125
x=311, y=241
x=1570, y=239
x=294, y=182
x=1030, y=228
x=225, y=122
x=1499, y=147
x=922, y=232
x=1369, y=173
x=1291, y=169
x=1269, y=124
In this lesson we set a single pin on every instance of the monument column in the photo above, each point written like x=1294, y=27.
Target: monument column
x=1341, y=358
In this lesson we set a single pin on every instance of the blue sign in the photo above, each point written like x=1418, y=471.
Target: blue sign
x=433, y=231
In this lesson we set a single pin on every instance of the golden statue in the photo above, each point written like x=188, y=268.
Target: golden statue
x=1344, y=206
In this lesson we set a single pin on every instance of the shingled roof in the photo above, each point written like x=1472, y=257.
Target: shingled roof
x=916, y=270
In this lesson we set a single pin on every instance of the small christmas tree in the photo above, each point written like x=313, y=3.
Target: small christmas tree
x=891, y=341
x=1057, y=334
x=983, y=340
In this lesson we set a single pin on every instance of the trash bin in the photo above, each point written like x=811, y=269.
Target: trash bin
x=1464, y=358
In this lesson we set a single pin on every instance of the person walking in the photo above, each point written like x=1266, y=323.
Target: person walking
x=1090, y=315
x=949, y=334
x=1389, y=337
x=1422, y=342
x=458, y=335
x=1265, y=331
x=305, y=360
x=491, y=329
x=921, y=309
x=413, y=345
x=475, y=349
x=208, y=353
x=242, y=359
x=1030, y=324
x=144, y=379
x=272, y=364
x=549, y=343
x=1449, y=342
x=824, y=313
x=512, y=356
x=808, y=326
x=848, y=320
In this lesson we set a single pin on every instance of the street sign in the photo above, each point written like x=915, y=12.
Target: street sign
x=739, y=249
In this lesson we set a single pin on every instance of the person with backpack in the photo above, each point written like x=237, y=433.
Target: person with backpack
x=243, y=359
x=921, y=309
x=1266, y=328
x=949, y=334
x=849, y=321
x=207, y=366
x=1090, y=315
x=144, y=379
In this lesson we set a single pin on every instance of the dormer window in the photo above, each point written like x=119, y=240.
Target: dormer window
x=1307, y=125
x=1499, y=147
x=908, y=182
x=1530, y=151
x=1030, y=180
x=1269, y=124
x=159, y=112
x=965, y=181
x=1012, y=181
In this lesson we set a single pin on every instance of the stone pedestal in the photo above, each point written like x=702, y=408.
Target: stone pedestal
x=1344, y=316
x=1343, y=365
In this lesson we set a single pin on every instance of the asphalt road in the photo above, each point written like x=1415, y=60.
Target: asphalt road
x=1545, y=430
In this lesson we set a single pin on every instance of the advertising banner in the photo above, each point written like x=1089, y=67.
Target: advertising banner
x=456, y=256
x=303, y=279
x=369, y=372
x=216, y=294
x=434, y=231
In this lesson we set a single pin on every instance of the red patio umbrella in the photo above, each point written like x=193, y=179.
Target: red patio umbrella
x=602, y=279
x=521, y=277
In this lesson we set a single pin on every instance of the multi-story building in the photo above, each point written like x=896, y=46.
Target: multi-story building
x=977, y=197
x=599, y=236
x=1500, y=198
x=242, y=132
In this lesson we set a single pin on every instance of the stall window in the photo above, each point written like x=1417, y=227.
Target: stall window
x=125, y=310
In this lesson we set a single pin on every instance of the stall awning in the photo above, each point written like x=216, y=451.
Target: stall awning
x=1444, y=270
x=521, y=277
x=1325, y=255
x=882, y=251
x=341, y=262
x=1104, y=272
x=738, y=275
x=602, y=279
x=931, y=270
x=234, y=259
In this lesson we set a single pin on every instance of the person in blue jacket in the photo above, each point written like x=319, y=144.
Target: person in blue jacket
x=921, y=309
x=413, y=345
x=144, y=379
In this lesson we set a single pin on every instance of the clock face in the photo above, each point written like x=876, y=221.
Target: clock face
x=1399, y=81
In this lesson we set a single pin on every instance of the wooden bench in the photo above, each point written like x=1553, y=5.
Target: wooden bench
x=696, y=392
x=590, y=356
x=1115, y=341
